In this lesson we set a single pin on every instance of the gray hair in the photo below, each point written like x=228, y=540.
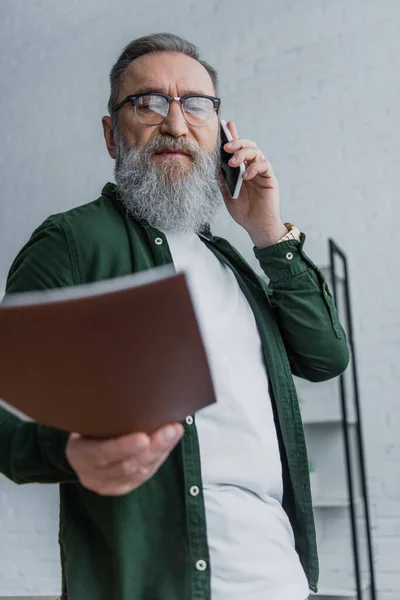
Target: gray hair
x=157, y=42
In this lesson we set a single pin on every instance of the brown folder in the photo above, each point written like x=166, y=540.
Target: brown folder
x=105, y=359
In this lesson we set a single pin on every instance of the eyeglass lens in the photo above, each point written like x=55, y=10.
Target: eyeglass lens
x=152, y=109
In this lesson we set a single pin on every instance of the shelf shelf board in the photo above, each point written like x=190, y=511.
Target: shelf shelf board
x=328, y=420
x=336, y=590
x=327, y=273
x=334, y=502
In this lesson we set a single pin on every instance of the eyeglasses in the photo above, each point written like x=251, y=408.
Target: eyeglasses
x=152, y=109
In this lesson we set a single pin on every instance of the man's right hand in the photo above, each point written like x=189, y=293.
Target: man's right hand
x=114, y=467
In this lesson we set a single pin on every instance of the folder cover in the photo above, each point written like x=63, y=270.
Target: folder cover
x=107, y=358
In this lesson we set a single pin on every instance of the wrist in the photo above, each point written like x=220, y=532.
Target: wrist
x=263, y=238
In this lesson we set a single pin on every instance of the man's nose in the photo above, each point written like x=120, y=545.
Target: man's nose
x=174, y=123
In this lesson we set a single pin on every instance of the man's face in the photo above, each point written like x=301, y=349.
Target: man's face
x=175, y=75
x=179, y=190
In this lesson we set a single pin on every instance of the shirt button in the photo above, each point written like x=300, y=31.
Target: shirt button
x=194, y=490
x=189, y=420
x=158, y=241
x=289, y=256
x=201, y=565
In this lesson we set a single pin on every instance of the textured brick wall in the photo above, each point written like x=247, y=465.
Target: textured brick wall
x=316, y=84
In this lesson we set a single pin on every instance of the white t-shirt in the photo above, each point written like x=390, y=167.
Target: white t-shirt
x=250, y=538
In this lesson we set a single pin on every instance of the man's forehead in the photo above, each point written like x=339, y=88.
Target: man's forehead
x=160, y=72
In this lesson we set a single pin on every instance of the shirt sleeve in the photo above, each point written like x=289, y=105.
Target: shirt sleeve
x=314, y=338
x=29, y=452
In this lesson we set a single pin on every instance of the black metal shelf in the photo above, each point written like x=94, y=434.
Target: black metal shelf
x=336, y=254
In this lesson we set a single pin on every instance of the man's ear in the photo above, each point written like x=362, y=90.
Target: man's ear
x=109, y=136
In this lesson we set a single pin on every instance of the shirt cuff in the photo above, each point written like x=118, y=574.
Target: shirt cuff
x=283, y=260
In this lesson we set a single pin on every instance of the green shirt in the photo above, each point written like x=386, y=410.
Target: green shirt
x=145, y=545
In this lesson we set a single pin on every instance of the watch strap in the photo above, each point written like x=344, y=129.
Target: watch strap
x=293, y=233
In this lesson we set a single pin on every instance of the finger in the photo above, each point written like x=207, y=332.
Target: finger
x=245, y=154
x=120, y=478
x=163, y=439
x=158, y=447
x=101, y=453
x=262, y=168
x=232, y=129
x=116, y=491
x=135, y=470
x=106, y=487
x=239, y=143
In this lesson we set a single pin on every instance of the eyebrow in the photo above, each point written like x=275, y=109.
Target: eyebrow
x=148, y=90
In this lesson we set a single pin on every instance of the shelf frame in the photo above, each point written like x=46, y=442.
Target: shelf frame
x=335, y=254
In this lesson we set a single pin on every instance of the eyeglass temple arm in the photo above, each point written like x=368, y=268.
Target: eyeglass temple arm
x=121, y=104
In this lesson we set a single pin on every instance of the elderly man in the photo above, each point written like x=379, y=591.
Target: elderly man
x=218, y=506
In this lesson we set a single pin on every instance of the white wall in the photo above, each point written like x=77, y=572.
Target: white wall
x=316, y=84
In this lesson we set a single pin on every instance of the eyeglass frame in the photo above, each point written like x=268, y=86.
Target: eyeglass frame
x=132, y=98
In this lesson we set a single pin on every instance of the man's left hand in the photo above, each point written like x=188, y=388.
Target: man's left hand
x=257, y=208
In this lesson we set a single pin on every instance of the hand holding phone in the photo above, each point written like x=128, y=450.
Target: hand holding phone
x=233, y=175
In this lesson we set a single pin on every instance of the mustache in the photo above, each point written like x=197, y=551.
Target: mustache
x=163, y=143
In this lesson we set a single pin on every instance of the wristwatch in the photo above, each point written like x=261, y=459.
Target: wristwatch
x=294, y=233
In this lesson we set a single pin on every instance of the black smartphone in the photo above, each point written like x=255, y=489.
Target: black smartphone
x=233, y=175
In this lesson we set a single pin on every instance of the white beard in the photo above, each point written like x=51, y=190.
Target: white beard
x=168, y=195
